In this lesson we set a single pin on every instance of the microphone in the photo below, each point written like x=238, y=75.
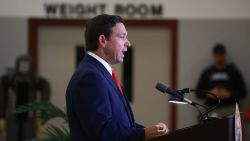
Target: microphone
x=180, y=99
x=164, y=88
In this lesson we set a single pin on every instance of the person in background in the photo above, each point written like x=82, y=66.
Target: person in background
x=224, y=80
x=97, y=107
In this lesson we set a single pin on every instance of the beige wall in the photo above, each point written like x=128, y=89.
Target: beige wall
x=56, y=62
x=151, y=64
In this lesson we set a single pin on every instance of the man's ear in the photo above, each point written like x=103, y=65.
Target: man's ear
x=102, y=41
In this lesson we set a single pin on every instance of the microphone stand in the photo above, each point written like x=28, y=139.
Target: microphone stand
x=179, y=98
x=204, y=116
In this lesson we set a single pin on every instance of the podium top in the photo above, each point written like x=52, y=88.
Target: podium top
x=216, y=130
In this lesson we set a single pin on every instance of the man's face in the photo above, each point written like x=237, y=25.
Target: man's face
x=117, y=44
x=220, y=59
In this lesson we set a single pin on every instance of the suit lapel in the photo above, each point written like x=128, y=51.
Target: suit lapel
x=104, y=71
x=130, y=113
x=111, y=81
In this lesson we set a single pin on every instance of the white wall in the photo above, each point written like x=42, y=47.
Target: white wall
x=180, y=9
x=196, y=39
x=152, y=62
x=13, y=41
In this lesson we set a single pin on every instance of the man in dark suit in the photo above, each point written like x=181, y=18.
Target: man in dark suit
x=97, y=108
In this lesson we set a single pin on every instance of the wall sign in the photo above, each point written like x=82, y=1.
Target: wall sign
x=80, y=10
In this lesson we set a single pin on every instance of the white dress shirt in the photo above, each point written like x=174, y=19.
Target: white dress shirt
x=103, y=62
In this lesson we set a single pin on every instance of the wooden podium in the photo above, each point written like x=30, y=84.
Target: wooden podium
x=215, y=130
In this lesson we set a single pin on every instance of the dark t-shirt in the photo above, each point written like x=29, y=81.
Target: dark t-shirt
x=228, y=78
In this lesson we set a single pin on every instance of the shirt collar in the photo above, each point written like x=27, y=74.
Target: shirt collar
x=103, y=62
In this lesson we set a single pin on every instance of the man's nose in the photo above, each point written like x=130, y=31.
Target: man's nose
x=128, y=44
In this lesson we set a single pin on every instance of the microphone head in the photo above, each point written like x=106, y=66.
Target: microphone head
x=161, y=86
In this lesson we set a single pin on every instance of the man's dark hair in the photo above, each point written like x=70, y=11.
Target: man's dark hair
x=99, y=25
x=219, y=49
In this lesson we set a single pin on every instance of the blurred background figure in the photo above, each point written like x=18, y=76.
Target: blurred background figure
x=224, y=80
x=17, y=87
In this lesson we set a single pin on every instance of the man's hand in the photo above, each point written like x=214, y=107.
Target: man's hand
x=221, y=93
x=155, y=131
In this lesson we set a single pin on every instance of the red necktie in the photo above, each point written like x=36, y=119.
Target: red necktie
x=117, y=81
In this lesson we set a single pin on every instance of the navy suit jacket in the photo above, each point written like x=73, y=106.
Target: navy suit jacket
x=96, y=109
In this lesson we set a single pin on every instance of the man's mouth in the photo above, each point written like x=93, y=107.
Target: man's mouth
x=124, y=51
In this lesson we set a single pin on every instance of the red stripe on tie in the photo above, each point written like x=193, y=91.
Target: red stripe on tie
x=117, y=81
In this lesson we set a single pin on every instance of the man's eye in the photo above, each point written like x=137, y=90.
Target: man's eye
x=122, y=37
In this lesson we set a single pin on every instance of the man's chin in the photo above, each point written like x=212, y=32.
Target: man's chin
x=120, y=60
x=117, y=61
